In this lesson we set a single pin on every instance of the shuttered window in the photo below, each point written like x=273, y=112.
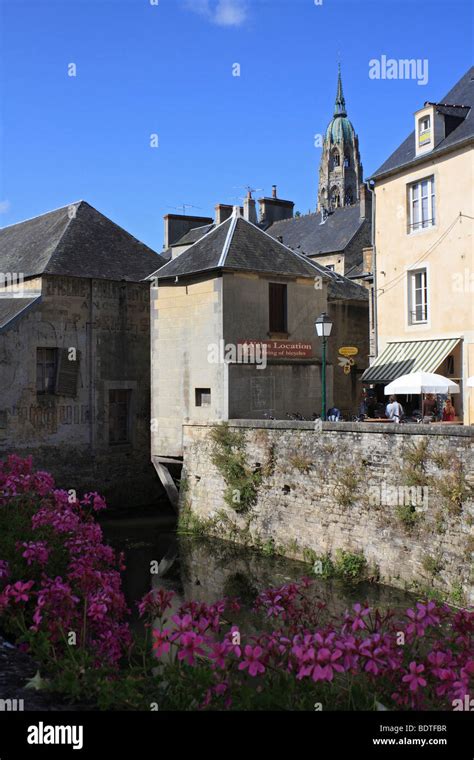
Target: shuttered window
x=68, y=372
x=277, y=304
x=46, y=369
x=119, y=416
x=56, y=371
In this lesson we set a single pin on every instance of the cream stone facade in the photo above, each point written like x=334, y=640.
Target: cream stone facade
x=425, y=258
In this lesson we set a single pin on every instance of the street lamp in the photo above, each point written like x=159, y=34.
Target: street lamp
x=323, y=327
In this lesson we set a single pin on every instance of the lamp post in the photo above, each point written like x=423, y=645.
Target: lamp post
x=323, y=327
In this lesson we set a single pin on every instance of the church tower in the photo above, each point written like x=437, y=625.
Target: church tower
x=340, y=170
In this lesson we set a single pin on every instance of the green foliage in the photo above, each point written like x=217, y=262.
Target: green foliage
x=301, y=463
x=347, y=566
x=347, y=485
x=408, y=516
x=432, y=565
x=350, y=566
x=453, y=487
x=415, y=458
x=242, y=483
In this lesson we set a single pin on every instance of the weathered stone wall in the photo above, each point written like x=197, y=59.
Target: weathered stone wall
x=345, y=486
x=108, y=323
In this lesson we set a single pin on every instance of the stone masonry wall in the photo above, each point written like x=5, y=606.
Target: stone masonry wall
x=347, y=486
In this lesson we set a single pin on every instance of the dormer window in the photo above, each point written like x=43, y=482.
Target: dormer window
x=424, y=131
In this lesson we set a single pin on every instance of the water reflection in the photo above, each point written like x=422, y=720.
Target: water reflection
x=208, y=569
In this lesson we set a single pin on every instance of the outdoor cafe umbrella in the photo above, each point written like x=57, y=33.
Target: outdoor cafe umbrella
x=470, y=382
x=421, y=382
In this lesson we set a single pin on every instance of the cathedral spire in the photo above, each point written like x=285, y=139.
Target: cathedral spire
x=340, y=104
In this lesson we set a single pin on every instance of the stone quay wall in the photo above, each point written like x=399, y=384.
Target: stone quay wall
x=401, y=495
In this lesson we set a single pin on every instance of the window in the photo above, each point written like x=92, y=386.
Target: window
x=46, y=370
x=424, y=131
x=418, y=297
x=331, y=267
x=421, y=201
x=347, y=161
x=349, y=199
x=450, y=365
x=335, y=158
x=119, y=416
x=203, y=396
x=277, y=307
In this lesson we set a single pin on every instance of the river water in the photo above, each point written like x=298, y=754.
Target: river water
x=209, y=569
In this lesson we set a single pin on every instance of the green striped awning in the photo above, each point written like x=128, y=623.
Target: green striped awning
x=399, y=359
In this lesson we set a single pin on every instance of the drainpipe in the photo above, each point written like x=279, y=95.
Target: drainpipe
x=374, y=267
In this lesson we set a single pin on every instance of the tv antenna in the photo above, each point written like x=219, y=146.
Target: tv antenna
x=184, y=206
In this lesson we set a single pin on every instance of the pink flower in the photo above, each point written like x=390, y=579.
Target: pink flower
x=19, y=591
x=219, y=652
x=161, y=644
x=413, y=678
x=189, y=647
x=360, y=612
x=35, y=551
x=252, y=660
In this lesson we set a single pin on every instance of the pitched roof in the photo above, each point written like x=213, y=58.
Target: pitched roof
x=11, y=308
x=462, y=94
x=193, y=235
x=239, y=245
x=77, y=241
x=309, y=236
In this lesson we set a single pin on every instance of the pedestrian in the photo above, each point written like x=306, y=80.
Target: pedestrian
x=449, y=412
x=394, y=410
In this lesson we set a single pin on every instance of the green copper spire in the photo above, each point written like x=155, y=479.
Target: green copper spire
x=340, y=104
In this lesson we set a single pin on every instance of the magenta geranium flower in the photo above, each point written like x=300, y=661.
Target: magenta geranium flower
x=413, y=678
x=190, y=647
x=252, y=660
x=161, y=644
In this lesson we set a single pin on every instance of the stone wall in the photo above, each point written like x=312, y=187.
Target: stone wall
x=401, y=495
x=108, y=324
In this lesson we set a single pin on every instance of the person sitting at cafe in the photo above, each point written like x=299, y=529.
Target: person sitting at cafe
x=449, y=412
x=429, y=406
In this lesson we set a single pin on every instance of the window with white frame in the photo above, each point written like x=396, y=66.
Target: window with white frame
x=417, y=297
x=421, y=201
x=424, y=130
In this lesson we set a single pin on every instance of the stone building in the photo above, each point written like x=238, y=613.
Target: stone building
x=233, y=333
x=74, y=351
x=340, y=170
x=424, y=249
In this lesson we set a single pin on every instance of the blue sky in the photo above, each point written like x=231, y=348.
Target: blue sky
x=167, y=69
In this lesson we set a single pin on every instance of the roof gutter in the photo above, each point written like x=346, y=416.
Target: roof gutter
x=421, y=159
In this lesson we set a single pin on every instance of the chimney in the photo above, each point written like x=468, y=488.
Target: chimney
x=275, y=209
x=177, y=225
x=250, y=209
x=365, y=202
x=223, y=211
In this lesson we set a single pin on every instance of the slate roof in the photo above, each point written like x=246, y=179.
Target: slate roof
x=87, y=245
x=462, y=94
x=11, y=308
x=239, y=245
x=192, y=236
x=307, y=235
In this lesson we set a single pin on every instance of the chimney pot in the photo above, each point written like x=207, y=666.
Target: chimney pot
x=274, y=191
